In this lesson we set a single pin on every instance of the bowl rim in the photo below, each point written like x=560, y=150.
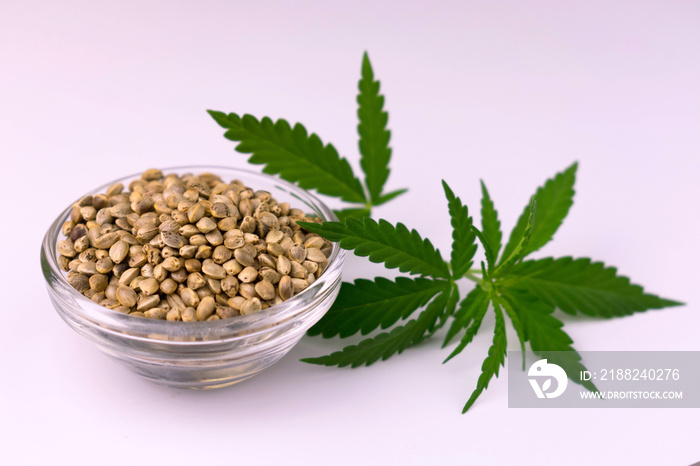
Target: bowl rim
x=299, y=304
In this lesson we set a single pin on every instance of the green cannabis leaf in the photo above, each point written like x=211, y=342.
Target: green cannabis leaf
x=385, y=345
x=463, y=237
x=395, y=246
x=544, y=333
x=553, y=202
x=581, y=285
x=293, y=154
x=526, y=291
x=374, y=137
x=490, y=228
x=475, y=304
x=366, y=305
x=474, y=312
x=302, y=158
x=402, y=312
x=495, y=359
x=521, y=242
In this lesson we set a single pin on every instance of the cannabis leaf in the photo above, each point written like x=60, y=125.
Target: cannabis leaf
x=582, y=285
x=515, y=320
x=463, y=237
x=366, y=305
x=471, y=321
x=405, y=311
x=522, y=243
x=352, y=212
x=495, y=359
x=385, y=345
x=545, y=335
x=374, y=137
x=490, y=228
x=468, y=308
x=527, y=291
x=302, y=158
x=293, y=154
x=449, y=308
x=394, y=245
x=389, y=196
x=553, y=202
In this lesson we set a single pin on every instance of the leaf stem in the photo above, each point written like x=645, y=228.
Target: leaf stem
x=470, y=275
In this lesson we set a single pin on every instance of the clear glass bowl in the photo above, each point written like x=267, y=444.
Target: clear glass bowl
x=199, y=355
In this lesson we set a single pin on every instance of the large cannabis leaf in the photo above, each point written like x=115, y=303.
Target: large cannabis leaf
x=299, y=157
x=527, y=292
x=412, y=309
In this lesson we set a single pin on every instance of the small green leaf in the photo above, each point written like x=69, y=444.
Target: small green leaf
x=352, y=212
x=495, y=359
x=449, y=308
x=369, y=351
x=579, y=285
x=374, y=135
x=293, y=154
x=389, y=196
x=515, y=320
x=366, y=305
x=554, y=200
x=490, y=228
x=473, y=318
x=520, y=250
x=395, y=246
x=385, y=345
x=468, y=308
x=463, y=237
x=544, y=333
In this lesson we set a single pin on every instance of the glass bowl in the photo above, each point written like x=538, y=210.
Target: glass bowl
x=199, y=355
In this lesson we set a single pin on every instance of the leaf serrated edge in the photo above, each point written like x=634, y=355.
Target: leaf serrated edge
x=373, y=131
x=280, y=135
x=375, y=244
x=515, y=321
x=336, y=321
x=491, y=235
x=520, y=249
x=463, y=238
x=515, y=278
x=480, y=306
x=420, y=325
x=495, y=359
x=549, y=184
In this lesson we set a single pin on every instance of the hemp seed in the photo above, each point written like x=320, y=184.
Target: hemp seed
x=188, y=248
x=126, y=296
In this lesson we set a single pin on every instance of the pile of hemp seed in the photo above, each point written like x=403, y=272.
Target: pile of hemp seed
x=188, y=248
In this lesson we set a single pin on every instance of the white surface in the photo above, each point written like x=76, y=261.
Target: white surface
x=510, y=92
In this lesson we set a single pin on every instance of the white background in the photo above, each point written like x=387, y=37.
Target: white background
x=508, y=92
